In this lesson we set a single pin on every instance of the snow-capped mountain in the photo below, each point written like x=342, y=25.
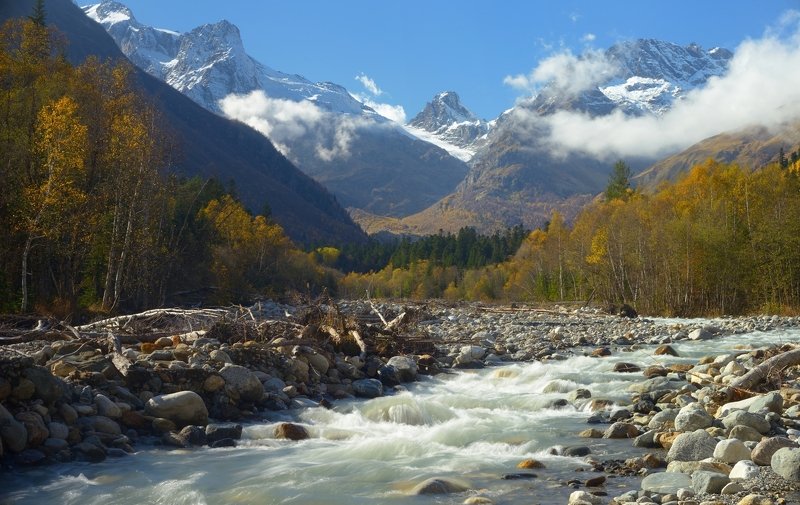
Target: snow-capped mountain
x=209, y=63
x=446, y=122
x=520, y=174
x=648, y=76
x=366, y=160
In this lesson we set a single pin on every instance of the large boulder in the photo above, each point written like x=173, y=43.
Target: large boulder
x=46, y=386
x=692, y=446
x=12, y=432
x=406, y=368
x=182, y=408
x=786, y=463
x=771, y=401
x=290, y=431
x=241, y=383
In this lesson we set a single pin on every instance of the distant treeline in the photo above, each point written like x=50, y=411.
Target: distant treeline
x=722, y=240
x=464, y=250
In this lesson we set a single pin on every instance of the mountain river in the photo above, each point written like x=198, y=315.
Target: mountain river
x=473, y=425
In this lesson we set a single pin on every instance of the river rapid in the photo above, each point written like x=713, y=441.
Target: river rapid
x=472, y=425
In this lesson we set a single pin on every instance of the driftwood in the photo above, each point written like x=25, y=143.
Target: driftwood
x=773, y=365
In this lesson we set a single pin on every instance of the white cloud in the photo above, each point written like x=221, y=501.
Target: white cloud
x=369, y=84
x=287, y=121
x=565, y=73
x=589, y=37
x=761, y=88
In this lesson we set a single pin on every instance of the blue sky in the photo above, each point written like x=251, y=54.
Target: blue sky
x=413, y=49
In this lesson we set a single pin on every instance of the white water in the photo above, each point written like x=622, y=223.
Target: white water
x=474, y=426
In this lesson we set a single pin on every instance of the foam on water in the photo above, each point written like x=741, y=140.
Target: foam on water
x=474, y=425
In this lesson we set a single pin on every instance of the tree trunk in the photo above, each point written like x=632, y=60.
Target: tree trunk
x=25, y=252
x=775, y=364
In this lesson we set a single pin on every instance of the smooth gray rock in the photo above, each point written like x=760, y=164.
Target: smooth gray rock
x=692, y=446
x=405, y=366
x=786, y=463
x=708, y=482
x=241, y=383
x=106, y=407
x=662, y=419
x=745, y=434
x=744, y=470
x=700, y=334
x=657, y=384
x=731, y=450
x=666, y=482
x=182, y=408
x=12, y=432
x=740, y=417
x=693, y=417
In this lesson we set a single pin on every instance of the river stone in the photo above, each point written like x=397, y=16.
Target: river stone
x=655, y=371
x=183, y=407
x=30, y=457
x=755, y=499
x=745, y=434
x=106, y=407
x=656, y=384
x=406, y=368
x=708, y=482
x=478, y=500
x=68, y=413
x=242, y=383
x=664, y=350
x=213, y=383
x=34, y=426
x=646, y=440
x=591, y=433
x=291, y=431
x=24, y=390
x=786, y=463
x=689, y=467
x=439, y=485
x=58, y=430
x=216, y=432
x=764, y=450
x=104, y=424
x=740, y=417
x=46, y=387
x=700, y=334
x=744, y=470
x=163, y=425
x=368, y=388
x=194, y=435
x=579, y=394
x=90, y=452
x=693, y=417
x=666, y=482
x=621, y=430
x=583, y=497
x=530, y=464
x=626, y=368
x=731, y=450
x=5, y=389
x=318, y=362
x=663, y=419
x=692, y=446
x=771, y=401
x=221, y=356
x=53, y=445
x=300, y=370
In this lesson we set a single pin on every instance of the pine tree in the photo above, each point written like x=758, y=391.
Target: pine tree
x=619, y=182
x=39, y=15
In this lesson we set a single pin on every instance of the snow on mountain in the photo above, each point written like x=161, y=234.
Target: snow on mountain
x=447, y=123
x=209, y=63
x=368, y=161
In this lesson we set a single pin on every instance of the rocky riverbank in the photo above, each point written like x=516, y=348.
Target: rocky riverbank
x=184, y=378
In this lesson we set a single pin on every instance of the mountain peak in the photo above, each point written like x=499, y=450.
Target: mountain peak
x=444, y=110
x=447, y=123
x=109, y=13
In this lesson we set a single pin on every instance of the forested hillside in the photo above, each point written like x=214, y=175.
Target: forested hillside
x=721, y=240
x=89, y=215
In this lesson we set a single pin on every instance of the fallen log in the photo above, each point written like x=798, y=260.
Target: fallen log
x=772, y=366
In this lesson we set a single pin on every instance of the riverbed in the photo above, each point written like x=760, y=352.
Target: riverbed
x=474, y=426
